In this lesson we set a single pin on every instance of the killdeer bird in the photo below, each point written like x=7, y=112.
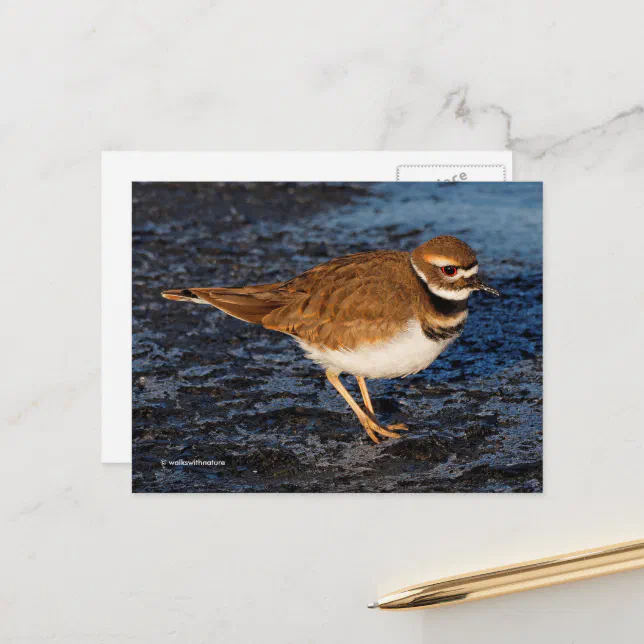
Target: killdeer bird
x=379, y=314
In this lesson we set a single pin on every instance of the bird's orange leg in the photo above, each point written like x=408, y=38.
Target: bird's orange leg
x=369, y=423
x=367, y=401
x=365, y=394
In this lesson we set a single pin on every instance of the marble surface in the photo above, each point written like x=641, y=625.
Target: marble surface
x=559, y=84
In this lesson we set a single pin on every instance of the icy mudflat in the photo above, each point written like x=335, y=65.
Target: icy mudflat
x=207, y=387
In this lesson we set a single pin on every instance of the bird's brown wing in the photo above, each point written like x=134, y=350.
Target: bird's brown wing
x=347, y=301
x=248, y=303
x=367, y=297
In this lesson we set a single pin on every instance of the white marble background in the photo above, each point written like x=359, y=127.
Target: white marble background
x=558, y=83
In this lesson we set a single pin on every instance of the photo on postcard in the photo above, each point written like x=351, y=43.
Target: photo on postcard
x=337, y=337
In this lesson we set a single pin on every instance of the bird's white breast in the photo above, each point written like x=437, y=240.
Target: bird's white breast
x=408, y=352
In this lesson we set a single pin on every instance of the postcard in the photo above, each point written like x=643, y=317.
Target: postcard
x=317, y=336
x=121, y=169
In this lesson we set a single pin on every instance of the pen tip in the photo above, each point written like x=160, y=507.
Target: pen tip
x=374, y=605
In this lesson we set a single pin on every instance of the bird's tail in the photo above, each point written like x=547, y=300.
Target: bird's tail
x=249, y=303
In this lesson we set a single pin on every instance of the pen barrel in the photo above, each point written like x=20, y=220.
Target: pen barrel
x=516, y=578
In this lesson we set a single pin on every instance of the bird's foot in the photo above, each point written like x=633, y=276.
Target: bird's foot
x=372, y=428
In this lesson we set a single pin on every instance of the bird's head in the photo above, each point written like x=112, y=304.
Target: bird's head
x=449, y=268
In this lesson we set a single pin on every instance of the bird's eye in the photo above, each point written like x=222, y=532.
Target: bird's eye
x=450, y=271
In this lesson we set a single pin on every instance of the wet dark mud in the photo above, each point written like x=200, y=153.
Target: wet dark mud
x=223, y=406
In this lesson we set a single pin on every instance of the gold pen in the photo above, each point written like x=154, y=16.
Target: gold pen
x=516, y=578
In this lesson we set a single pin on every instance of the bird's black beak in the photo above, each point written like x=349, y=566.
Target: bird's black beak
x=476, y=284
